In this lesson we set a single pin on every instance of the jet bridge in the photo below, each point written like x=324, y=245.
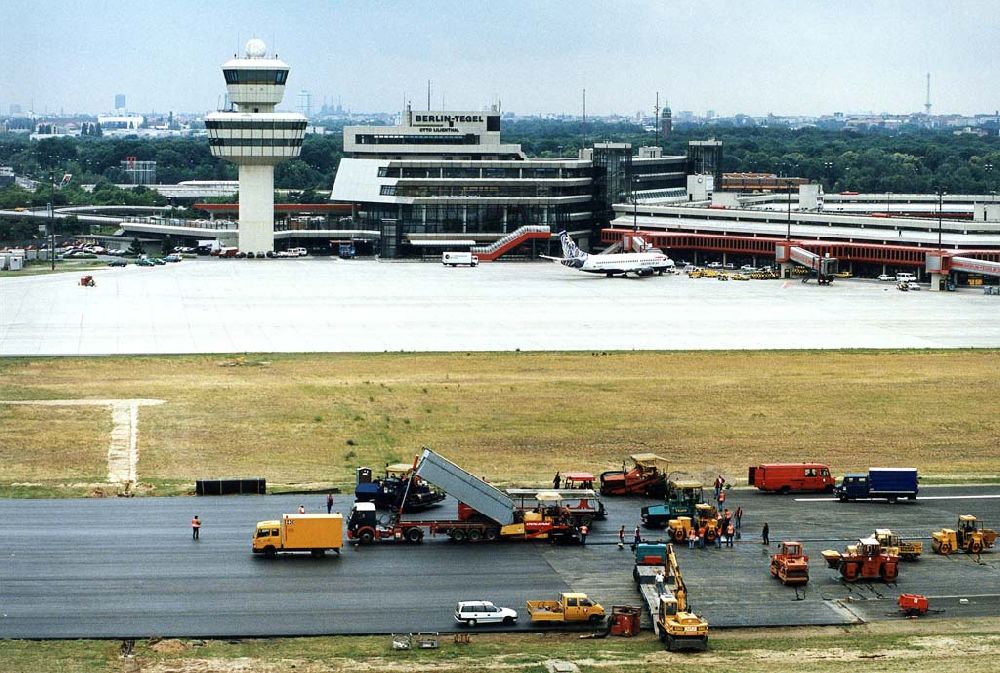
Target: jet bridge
x=786, y=252
x=465, y=487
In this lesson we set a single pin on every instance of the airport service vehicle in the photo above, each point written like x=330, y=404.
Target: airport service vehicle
x=459, y=258
x=485, y=513
x=583, y=505
x=298, y=252
x=682, y=497
x=571, y=607
x=346, y=251
x=387, y=492
x=471, y=613
x=890, y=483
x=677, y=626
x=647, y=477
x=865, y=560
x=787, y=477
x=613, y=264
x=313, y=533
x=790, y=565
x=968, y=536
x=892, y=543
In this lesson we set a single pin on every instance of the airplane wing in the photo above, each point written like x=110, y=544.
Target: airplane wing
x=554, y=259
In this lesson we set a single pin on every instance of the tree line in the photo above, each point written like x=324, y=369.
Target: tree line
x=907, y=160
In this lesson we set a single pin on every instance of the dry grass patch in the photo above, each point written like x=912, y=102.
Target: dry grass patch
x=39, y=443
x=518, y=417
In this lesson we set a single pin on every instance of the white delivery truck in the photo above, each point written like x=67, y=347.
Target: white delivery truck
x=456, y=258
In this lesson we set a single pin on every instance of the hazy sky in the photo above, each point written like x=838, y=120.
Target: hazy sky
x=781, y=56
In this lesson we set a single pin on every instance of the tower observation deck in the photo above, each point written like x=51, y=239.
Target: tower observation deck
x=255, y=138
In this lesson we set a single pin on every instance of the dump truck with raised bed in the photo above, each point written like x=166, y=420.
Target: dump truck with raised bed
x=681, y=500
x=888, y=483
x=865, y=560
x=485, y=513
x=969, y=536
x=790, y=565
x=892, y=543
x=571, y=607
x=647, y=477
x=313, y=533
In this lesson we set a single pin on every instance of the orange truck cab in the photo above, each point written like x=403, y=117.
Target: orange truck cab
x=788, y=477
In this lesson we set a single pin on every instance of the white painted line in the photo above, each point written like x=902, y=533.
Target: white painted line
x=990, y=496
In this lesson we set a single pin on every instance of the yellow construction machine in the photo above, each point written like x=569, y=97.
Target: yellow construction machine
x=705, y=522
x=678, y=628
x=969, y=536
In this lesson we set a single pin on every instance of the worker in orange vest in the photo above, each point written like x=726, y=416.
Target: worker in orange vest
x=195, y=527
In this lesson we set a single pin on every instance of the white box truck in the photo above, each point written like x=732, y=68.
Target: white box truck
x=457, y=258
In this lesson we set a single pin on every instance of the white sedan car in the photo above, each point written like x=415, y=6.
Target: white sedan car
x=483, y=612
x=885, y=276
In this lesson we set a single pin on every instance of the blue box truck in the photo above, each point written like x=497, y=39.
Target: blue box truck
x=891, y=483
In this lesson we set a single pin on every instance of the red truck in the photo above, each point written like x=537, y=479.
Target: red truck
x=788, y=477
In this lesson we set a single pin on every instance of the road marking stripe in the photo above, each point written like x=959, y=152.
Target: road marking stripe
x=922, y=497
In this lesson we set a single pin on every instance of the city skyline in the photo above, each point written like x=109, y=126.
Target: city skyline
x=774, y=56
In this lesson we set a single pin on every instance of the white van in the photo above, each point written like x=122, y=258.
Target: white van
x=908, y=277
x=456, y=258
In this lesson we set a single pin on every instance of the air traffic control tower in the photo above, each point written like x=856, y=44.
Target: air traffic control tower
x=255, y=138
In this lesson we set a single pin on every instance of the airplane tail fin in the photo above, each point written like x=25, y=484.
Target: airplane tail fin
x=569, y=248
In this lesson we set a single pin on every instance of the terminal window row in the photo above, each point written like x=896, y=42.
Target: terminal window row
x=429, y=139
x=491, y=191
x=256, y=125
x=239, y=76
x=514, y=173
x=255, y=142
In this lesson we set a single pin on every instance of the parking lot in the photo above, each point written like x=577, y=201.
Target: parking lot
x=332, y=305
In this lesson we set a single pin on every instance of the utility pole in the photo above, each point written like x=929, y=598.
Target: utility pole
x=52, y=221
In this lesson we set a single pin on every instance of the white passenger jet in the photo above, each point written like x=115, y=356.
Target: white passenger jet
x=616, y=264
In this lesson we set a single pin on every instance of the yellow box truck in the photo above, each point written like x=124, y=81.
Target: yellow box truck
x=313, y=533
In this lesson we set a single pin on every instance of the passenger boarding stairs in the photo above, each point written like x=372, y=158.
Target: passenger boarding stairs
x=489, y=253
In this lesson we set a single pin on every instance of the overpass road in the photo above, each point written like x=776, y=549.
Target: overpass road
x=128, y=568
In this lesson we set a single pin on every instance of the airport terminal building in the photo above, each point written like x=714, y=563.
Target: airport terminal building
x=446, y=180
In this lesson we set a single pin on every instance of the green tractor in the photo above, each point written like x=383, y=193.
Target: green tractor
x=682, y=498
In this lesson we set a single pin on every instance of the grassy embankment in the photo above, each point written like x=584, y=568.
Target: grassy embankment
x=937, y=646
x=513, y=417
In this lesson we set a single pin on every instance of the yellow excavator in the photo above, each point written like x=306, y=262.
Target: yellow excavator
x=678, y=628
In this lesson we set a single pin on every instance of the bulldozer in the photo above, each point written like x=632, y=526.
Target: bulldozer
x=678, y=628
x=790, y=565
x=969, y=536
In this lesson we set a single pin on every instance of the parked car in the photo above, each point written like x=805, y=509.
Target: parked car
x=748, y=268
x=118, y=262
x=144, y=261
x=157, y=261
x=885, y=276
x=714, y=265
x=483, y=612
x=172, y=258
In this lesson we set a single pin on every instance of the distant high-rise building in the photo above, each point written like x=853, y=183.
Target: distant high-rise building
x=119, y=101
x=305, y=103
x=666, y=120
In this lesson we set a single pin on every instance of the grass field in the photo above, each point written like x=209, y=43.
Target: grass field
x=513, y=417
x=954, y=646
